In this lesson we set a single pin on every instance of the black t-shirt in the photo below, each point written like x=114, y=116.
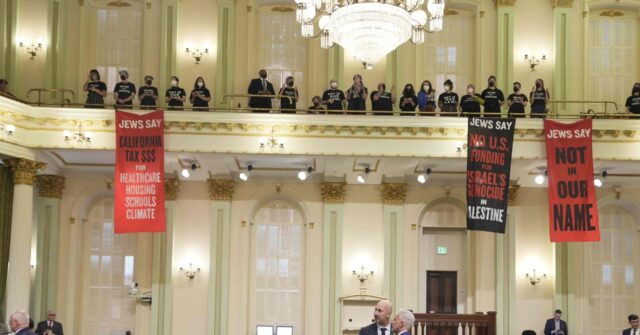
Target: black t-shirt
x=334, y=99
x=408, y=107
x=125, y=90
x=633, y=102
x=285, y=103
x=196, y=101
x=470, y=104
x=538, y=98
x=449, y=101
x=315, y=109
x=174, y=94
x=356, y=99
x=383, y=103
x=147, y=93
x=93, y=97
x=492, y=98
x=517, y=103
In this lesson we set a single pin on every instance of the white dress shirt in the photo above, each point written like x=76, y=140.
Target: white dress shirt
x=387, y=329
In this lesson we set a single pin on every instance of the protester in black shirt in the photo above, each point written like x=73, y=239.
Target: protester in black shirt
x=470, y=102
x=633, y=102
x=148, y=94
x=288, y=96
x=357, y=95
x=539, y=98
x=382, y=101
x=316, y=108
x=124, y=91
x=97, y=90
x=517, y=101
x=409, y=100
x=493, y=97
x=427, y=98
x=333, y=98
x=448, y=101
x=175, y=95
x=200, y=95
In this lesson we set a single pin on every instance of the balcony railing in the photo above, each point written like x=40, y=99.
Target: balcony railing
x=455, y=324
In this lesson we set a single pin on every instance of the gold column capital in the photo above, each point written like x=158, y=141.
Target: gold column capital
x=393, y=193
x=221, y=189
x=333, y=191
x=505, y=3
x=562, y=3
x=24, y=170
x=513, y=193
x=50, y=186
x=171, y=188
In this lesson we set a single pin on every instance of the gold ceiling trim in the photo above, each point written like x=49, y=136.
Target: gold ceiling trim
x=450, y=11
x=283, y=9
x=258, y=168
x=505, y=3
x=65, y=163
x=562, y=3
x=612, y=13
x=119, y=4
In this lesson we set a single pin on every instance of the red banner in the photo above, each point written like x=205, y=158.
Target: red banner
x=139, y=176
x=573, y=210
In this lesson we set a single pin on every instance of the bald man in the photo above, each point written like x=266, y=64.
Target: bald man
x=381, y=316
x=19, y=323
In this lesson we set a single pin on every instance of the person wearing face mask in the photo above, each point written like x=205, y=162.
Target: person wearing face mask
x=96, y=89
x=316, y=108
x=148, y=94
x=333, y=98
x=382, y=101
x=175, y=95
x=409, y=100
x=493, y=98
x=357, y=96
x=517, y=101
x=260, y=86
x=200, y=96
x=470, y=102
x=633, y=101
x=427, y=98
x=288, y=96
x=124, y=91
x=448, y=101
x=539, y=98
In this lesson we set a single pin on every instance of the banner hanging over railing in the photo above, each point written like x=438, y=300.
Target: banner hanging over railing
x=573, y=211
x=139, y=174
x=489, y=147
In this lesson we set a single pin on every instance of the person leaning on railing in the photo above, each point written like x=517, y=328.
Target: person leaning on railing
x=633, y=101
x=96, y=89
x=539, y=98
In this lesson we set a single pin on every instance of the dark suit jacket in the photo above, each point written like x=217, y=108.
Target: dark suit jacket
x=628, y=331
x=551, y=325
x=25, y=331
x=254, y=88
x=371, y=329
x=43, y=326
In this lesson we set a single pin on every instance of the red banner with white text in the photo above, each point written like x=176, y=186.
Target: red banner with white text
x=573, y=210
x=139, y=176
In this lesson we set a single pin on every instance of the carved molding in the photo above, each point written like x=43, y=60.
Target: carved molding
x=24, y=170
x=393, y=193
x=612, y=13
x=50, y=186
x=505, y=3
x=221, y=189
x=450, y=11
x=283, y=9
x=513, y=193
x=562, y=3
x=333, y=191
x=171, y=188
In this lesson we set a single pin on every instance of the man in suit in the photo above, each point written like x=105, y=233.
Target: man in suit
x=556, y=326
x=403, y=322
x=50, y=326
x=261, y=86
x=19, y=323
x=381, y=316
x=634, y=322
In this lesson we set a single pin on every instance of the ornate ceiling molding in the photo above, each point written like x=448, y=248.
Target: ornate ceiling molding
x=50, y=186
x=562, y=3
x=393, y=193
x=221, y=189
x=333, y=191
x=612, y=13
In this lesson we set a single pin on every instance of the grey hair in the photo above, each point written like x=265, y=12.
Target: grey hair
x=21, y=317
x=407, y=317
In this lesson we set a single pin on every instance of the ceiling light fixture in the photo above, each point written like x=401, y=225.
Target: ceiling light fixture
x=598, y=181
x=244, y=175
x=423, y=177
x=9, y=129
x=362, y=178
x=185, y=173
x=272, y=143
x=369, y=30
x=303, y=174
x=540, y=178
x=79, y=136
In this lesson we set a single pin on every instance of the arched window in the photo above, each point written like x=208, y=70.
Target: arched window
x=109, y=263
x=612, y=266
x=279, y=266
x=444, y=215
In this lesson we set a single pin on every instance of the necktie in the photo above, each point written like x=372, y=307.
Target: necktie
x=383, y=330
x=264, y=85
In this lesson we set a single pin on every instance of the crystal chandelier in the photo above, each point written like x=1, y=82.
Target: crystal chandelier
x=369, y=29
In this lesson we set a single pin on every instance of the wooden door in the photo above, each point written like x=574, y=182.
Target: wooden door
x=442, y=292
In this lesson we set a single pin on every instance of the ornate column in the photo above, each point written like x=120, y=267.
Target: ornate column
x=48, y=230
x=504, y=65
x=225, y=52
x=393, y=196
x=162, y=272
x=220, y=194
x=19, y=274
x=333, y=196
x=563, y=52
